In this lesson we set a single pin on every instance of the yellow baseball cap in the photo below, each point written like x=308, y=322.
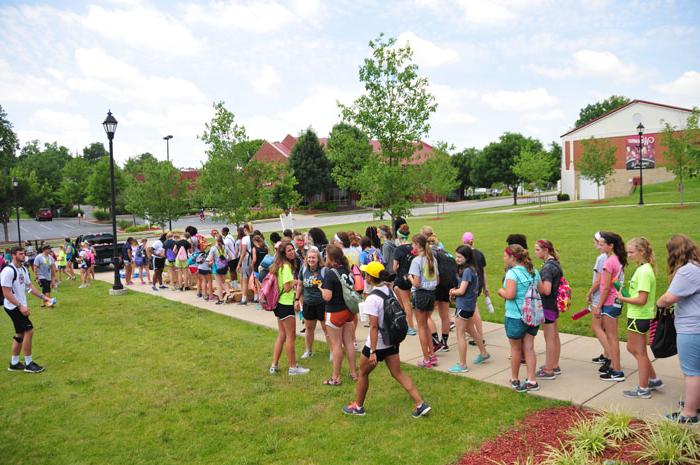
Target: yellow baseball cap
x=373, y=269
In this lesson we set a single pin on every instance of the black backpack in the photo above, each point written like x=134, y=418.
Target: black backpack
x=405, y=261
x=395, y=326
x=447, y=268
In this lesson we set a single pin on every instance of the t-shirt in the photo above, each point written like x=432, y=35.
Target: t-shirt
x=19, y=286
x=388, y=248
x=158, y=249
x=551, y=272
x=686, y=286
x=374, y=306
x=61, y=260
x=643, y=279
x=260, y=253
x=125, y=251
x=598, y=273
x=399, y=253
x=43, y=264
x=480, y=261
x=70, y=250
x=614, y=269
x=331, y=283
x=284, y=275
x=230, y=245
x=246, y=242
x=353, y=255
x=468, y=300
x=522, y=279
x=205, y=265
x=312, y=280
x=419, y=267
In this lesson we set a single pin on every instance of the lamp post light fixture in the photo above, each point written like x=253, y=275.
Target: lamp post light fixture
x=15, y=186
x=640, y=131
x=110, y=126
x=167, y=157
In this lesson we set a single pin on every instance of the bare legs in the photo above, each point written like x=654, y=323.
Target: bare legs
x=518, y=348
x=337, y=337
x=637, y=346
x=426, y=342
x=597, y=327
x=285, y=339
x=405, y=300
x=553, y=346
x=393, y=363
x=610, y=329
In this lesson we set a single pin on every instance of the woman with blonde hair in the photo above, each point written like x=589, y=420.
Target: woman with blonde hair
x=424, y=276
x=311, y=276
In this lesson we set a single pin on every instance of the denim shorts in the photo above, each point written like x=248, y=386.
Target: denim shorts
x=689, y=353
x=611, y=311
x=517, y=329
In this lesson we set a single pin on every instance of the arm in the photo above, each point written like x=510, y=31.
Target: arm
x=395, y=266
x=544, y=287
x=641, y=299
x=486, y=286
x=667, y=300
x=508, y=292
x=373, y=332
x=594, y=287
x=415, y=280
x=607, y=284
x=461, y=290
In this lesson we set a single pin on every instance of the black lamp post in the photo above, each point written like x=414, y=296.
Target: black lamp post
x=167, y=157
x=15, y=185
x=110, y=125
x=640, y=131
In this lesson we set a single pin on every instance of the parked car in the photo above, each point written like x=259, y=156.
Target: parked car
x=102, y=242
x=44, y=214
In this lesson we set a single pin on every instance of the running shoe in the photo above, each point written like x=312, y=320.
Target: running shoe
x=479, y=359
x=605, y=367
x=434, y=360
x=302, y=330
x=411, y=332
x=655, y=384
x=680, y=418
x=33, y=367
x=437, y=347
x=274, y=370
x=458, y=368
x=472, y=342
x=544, y=374
x=19, y=366
x=354, y=409
x=154, y=288
x=515, y=383
x=527, y=387
x=423, y=409
x=307, y=354
x=297, y=370
x=199, y=295
x=614, y=376
x=556, y=371
x=425, y=364
x=600, y=359
x=638, y=393
x=243, y=302
x=452, y=325
x=218, y=302
x=445, y=348
x=163, y=286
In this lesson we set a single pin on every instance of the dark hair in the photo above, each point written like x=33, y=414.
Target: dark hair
x=335, y=255
x=192, y=230
x=365, y=242
x=384, y=277
x=344, y=238
x=549, y=247
x=287, y=233
x=318, y=236
x=519, y=239
x=386, y=230
x=15, y=249
x=275, y=237
x=163, y=237
x=281, y=258
x=397, y=224
x=129, y=240
x=225, y=230
x=241, y=233
x=468, y=254
x=371, y=232
x=258, y=233
x=618, y=245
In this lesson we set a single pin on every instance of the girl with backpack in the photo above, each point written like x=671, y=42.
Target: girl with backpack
x=245, y=264
x=311, y=276
x=84, y=265
x=70, y=258
x=465, y=295
x=424, y=277
x=283, y=268
x=442, y=295
x=593, y=297
x=141, y=261
x=609, y=308
x=205, y=289
x=403, y=255
x=260, y=251
x=376, y=349
x=220, y=258
x=548, y=287
x=641, y=311
x=521, y=275
x=128, y=260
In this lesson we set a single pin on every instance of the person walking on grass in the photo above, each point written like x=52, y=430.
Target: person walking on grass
x=641, y=310
x=609, y=308
x=548, y=287
x=311, y=276
x=683, y=266
x=84, y=263
x=71, y=257
x=15, y=283
x=61, y=262
x=593, y=299
x=520, y=275
x=283, y=267
x=45, y=270
x=376, y=349
x=465, y=295
x=424, y=277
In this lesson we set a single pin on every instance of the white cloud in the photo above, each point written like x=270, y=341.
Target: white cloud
x=520, y=101
x=554, y=114
x=590, y=63
x=258, y=16
x=68, y=129
x=266, y=80
x=687, y=85
x=497, y=12
x=452, y=102
x=15, y=87
x=427, y=54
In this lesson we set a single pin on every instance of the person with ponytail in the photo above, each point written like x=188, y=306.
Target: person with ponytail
x=401, y=263
x=548, y=287
x=609, y=307
x=520, y=275
x=641, y=310
x=424, y=276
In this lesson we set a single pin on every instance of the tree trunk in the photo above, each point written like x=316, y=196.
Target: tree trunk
x=515, y=195
x=680, y=189
x=6, y=231
x=597, y=190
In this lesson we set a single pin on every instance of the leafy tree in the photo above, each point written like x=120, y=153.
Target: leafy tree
x=158, y=193
x=438, y=174
x=594, y=110
x=46, y=162
x=683, y=150
x=597, y=161
x=281, y=191
x=349, y=152
x=94, y=152
x=73, y=188
x=535, y=168
x=249, y=148
x=98, y=188
x=8, y=149
x=310, y=165
x=555, y=153
x=31, y=195
x=464, y=163
x=395, y=110
x=134, y=165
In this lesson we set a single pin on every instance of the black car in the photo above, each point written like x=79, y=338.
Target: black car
x=102, y=243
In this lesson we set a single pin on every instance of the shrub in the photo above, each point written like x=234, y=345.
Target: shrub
x=137, y=228
x=617, y=425
x=123, y=224
x=669, y=443
x=562, y=455
x=71, y=212
x=561, y=197
x=265, y=213
x=589, y=436
x=101, y=215
x=326, y=206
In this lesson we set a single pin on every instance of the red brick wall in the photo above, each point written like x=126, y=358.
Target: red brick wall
x=268, y=153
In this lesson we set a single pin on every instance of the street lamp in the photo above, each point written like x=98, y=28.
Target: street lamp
x=110, y=125
x=640, y=131
x=167, y=155
x=15, y=185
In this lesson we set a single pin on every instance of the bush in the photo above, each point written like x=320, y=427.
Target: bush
x=562, y=197
x=123, y=224
x=265, y=213
x=101, y=215
x=326, y=206
x=479, y=196
x=137, y=228
x=71, y=212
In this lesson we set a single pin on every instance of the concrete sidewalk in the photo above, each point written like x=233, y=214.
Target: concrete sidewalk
x=578, y=382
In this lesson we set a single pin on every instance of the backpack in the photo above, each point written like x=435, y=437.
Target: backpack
x=532, y=313
x=358, y=281
x=447, y=269
x=201, y=242
x=395, y=326
x=563, y=295
x=265, y=266
x=350, y=296
x=375, y=255
x=405, y=261
x=170, y=255
x=181, y=254
x=89, y=258
x=221, y=263
x=269, y=292
x=139, y=258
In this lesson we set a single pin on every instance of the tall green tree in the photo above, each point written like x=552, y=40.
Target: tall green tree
x=98, y=188
x=464, y=164
x=73, y=188
x=158, y=193
x=594, y=110
x=439, y=175
x=281, y=189
x=134, y=165
x=310, y=165
x=555, y=154
x=47, y=162
x=94, y=152
x=395, y=109
x=535, y=168
x=8, y=148
x=597, y=163
x=683, y=150
x=349, y=152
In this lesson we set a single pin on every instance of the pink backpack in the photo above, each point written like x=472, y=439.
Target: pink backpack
x=269, y=292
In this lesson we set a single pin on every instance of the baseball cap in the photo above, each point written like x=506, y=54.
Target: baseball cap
x=467, y=237
x=373, y=269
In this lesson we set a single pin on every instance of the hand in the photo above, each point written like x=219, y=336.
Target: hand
x=296, y=305
x=596, y=312
x=588, y=297
x=24, y=310
x=486, y=292
x=373, y=360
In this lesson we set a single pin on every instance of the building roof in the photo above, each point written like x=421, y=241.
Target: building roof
x=605, y=115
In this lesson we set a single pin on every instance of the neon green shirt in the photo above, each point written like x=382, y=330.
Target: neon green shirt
x=284, y=275
x=61, y=258
x=643, y=280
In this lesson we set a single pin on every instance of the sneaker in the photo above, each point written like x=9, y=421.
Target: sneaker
x=152, y=287
x=434, y=360
x=423, y=410
x=527, y=386
x=425, y=364
x=437, y=347
x=274, y=370
x=556, y=371
x=544, y=374
x=452, y=325
x=307, y=354
x=479, y=359
x=297, y=370
x=679, y=418
x=605, y=367
x=472, y=342
x=354, y=409
x=445, y=348
x=600, y=359
x=19, y=366
x=612, y=375
x=218, y=302
x=163, y=286
x=199, y=295
x=638, y=393
x=411, y=332
x=515, y=383
x=243, y=302
x=655, y=384
x=458, y=368
x=33, y=367
x=303, y=330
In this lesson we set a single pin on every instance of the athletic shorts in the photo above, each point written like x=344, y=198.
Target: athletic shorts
x=314, y=312
x=21, y=322
x=424, y=300
x=61, y=267
x=381, y=353
x=204, y=272
x=463, y=314
x=282, y=312
x=442, y=294
x=158, y=263
x=638, y=325
x=517, y=329
x=45, y=286
x=222, y=270
x=689, y=353
x=193, y=269
x=550, y=316
x=611, y=311
x=232, y=264
x=402, y=284
x=337, y=319
x=246, y=268
x=126, y=261
x=180, y=264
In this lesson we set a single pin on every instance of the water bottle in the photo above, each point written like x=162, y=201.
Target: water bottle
x=489, y=305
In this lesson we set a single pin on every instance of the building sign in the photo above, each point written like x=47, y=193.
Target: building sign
x=648, y=158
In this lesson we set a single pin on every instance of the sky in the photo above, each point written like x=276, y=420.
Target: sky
x=280, y=66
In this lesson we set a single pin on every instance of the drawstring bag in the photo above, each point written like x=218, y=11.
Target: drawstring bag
x=663, y=335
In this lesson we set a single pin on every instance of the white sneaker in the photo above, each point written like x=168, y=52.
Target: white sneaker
x=273, y=370
x=307, y=354
x=82, y=286
x=297, y=370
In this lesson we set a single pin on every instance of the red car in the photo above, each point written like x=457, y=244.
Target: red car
x=44, y=214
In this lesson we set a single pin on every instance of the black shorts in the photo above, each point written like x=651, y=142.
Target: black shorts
x=282, y=312
x=381, y=353
x=442, y=294
x=232, y=264
x=423, y=300
x=21, y=322
x=45, y=286
x=204, y=272
x=158, y=263
x=221, y=270
x=638, y=325
x=314, y=312
x=402, y=284
x=464, y=314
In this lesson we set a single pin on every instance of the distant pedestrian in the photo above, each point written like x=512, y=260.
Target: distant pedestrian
x=45, y=270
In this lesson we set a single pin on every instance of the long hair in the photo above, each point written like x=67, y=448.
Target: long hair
x=386, y=230
x=549, y=247
x=642, y=245
x=468, y=254
x=422, y=242
x=336, y=256
x=681, y=250
x=521, y=256
x=371, y=232
x=281, y=257
x=344, y=238
x=618, y=244
x=318, y=236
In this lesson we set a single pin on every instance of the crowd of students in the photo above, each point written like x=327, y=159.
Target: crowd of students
x=312, y=273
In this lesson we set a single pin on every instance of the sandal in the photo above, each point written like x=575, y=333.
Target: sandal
x=332, y=382
x=353, y=377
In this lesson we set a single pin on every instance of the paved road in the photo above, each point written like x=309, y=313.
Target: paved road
x=59, y=227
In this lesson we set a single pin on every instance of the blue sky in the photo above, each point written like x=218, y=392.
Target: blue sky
x=280, y=66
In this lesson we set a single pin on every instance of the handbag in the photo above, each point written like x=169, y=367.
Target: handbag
x=663, y=340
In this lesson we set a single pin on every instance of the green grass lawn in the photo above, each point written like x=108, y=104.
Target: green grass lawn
x=142, y=380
